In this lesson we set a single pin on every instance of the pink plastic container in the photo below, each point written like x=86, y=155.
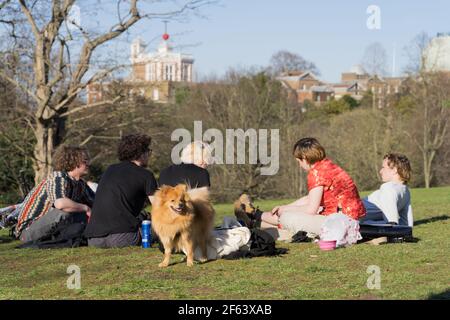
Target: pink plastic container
x=327, y=245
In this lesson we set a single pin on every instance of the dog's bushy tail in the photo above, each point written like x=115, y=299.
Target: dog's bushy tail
x=199, y=194
x=203, y=207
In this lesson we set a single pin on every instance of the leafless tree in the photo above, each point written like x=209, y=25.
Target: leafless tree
x=247, y=101
x=375, y=59
x=60, y=51
x=285, y=61
x=415, y=52
x=428, y=126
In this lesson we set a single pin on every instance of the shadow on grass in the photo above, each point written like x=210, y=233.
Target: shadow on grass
x=6, y=239
x=431, y=220
x=445, y=295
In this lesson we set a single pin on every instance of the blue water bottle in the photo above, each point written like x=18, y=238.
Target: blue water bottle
x=146, y=234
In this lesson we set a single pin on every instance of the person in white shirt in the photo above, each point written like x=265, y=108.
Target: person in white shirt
x=391, y=203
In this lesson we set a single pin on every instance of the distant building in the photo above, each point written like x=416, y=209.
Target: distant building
x=306, y=86
x=154, y=75
x=355, y=83
x=437, y=54
x=358, y=82
x=162, y=65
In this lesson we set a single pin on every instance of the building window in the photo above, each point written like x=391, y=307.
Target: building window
x=147, y=72
x=152, y=72
x=166, y=73
x=185, y=72
x=169, y=73
x=155, y=94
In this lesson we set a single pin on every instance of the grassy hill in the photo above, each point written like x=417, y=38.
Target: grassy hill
x=408, y=271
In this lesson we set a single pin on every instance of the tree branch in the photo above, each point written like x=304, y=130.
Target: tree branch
x=30, y=19
x=91, y=105
x=89, y=46
x=17, y=84
x=79, y=87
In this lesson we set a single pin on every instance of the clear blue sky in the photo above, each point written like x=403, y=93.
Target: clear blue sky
x=333, y=34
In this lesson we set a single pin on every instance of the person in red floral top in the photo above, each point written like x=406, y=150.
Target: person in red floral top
x=330, y=190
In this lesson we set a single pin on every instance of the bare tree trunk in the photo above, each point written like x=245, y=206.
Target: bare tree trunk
x=427, y=167
x=43, y=151
x=58, y=76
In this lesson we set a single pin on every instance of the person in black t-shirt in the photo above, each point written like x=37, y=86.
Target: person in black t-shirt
x=121, y=195
x=192, y=171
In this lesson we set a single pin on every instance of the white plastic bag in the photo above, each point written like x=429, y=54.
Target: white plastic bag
x=340, y=228
x=225, y=241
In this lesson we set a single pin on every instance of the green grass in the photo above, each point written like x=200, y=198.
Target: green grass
x=408, y=271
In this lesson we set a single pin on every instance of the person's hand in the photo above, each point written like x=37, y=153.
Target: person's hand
x=88, y=212
x=275, y=210
x=278, y=210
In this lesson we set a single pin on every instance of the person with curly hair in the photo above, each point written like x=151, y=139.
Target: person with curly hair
x=391, y=203
x=121, y=195
x=62, y=196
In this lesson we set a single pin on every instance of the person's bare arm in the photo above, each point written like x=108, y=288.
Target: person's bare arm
x=68, y=205
x=310, y=206
x=300, y=202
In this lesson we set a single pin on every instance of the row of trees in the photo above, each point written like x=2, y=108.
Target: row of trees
x=45, y=67
x=354, y=134
x=52, y=59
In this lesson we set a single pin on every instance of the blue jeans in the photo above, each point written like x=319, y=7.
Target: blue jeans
x=373, y=213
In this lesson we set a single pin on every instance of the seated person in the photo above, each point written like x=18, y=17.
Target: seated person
x=121, y=195
x=330, y=189
x=63, y=195
x=195, y=158
x=392, y=202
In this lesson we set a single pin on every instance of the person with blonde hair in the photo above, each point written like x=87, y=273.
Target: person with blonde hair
x=195, y=158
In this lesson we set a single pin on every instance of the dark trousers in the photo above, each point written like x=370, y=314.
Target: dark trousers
x=46, y=224
x=116, y=240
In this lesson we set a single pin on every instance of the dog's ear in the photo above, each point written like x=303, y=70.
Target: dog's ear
x=164, y=189
x=243, y=206
x=159, y=195
x=181, y=187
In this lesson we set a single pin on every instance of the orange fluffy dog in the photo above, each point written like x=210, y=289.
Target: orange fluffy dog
x=183, y=219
